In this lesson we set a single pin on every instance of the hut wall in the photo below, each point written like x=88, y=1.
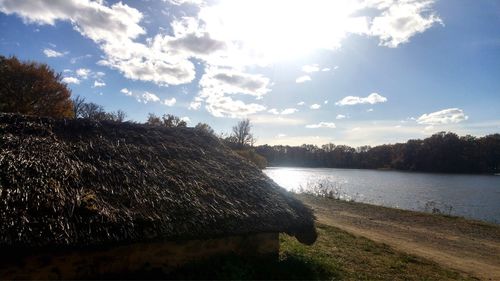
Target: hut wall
x=72, y=264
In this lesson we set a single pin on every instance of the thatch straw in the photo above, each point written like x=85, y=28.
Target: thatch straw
x=85, y=183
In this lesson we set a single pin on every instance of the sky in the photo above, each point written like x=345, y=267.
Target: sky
x=355, y=72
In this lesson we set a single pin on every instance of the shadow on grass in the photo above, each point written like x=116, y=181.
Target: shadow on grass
x=336, y=255
x=238, y=268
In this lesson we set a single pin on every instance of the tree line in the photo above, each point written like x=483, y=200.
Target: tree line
x=444, y=152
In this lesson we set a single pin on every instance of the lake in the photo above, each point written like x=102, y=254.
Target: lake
x=471, y=196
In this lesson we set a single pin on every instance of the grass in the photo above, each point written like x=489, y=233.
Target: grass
x=337, y=255
x=344, y=256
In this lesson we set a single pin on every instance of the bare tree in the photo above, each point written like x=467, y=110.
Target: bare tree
x=90, y=110
x=93, y=111
x=119, y=116
x=241, y=133
x=78, y=103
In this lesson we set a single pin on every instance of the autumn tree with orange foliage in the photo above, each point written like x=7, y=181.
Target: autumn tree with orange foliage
x=34, y=89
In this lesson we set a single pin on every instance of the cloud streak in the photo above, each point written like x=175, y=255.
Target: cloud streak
x=71, y=80
x=353, y=100
x=303, y=79
x=445, y=116
x=50, y=53
x=329, y=125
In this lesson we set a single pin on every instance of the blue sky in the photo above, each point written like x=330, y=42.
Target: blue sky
x=318, y=71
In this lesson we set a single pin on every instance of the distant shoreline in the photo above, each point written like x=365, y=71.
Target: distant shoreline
x=383, y=169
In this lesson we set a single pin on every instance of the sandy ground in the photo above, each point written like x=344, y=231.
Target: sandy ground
x=469, y=246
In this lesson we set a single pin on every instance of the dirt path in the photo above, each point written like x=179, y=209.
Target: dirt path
x=464, y=245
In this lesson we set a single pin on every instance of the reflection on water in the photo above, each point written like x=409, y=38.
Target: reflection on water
x=472, y=196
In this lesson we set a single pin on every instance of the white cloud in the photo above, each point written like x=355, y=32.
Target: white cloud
x=369, y=110
x=169, y=102
x=401, y=20
x=76, y=59
x=288, y=111
x=98, y=83
x=340, y=116
x=83, y=73
x=195, y=104
x=315, y=106
x=140, y=66
x=326, y=69
x=445, y=116
x=311, y=68
x=353, y=100
x=181, y=2
x=218, y=85
x=281, y=135
x=328, y=125
x=301, y=103
x=276, y=120
x=198, y=45
x=273, y=111
x=325, y=102
x=225, y=106
x=303, y=79
x=50, y=53
x=186, y=119
x=126, y=92
x=71, y=80
x=148, y=97
x=91, y=18
x=234, y=82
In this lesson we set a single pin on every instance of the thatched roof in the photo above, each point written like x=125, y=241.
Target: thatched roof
x=85, y=183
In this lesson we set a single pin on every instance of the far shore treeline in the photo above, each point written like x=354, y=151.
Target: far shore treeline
x=33, y=88
x=443, y=152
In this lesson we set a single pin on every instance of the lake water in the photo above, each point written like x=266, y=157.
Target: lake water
x=471, y=196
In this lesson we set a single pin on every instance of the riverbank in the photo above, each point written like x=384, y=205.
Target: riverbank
x=468, y=246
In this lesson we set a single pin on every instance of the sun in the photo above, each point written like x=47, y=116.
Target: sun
x=283, y=29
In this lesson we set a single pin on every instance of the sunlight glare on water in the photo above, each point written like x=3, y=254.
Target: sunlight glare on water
x=288, y=178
